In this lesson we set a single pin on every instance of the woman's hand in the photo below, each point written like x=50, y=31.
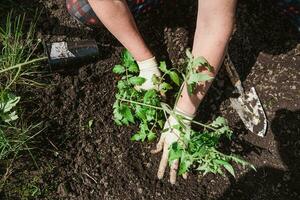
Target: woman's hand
x=166, y=140
x=148, y=68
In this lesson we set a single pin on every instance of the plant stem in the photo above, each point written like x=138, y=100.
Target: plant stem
x=142, y=104
x=160, y=108
x=23, y=64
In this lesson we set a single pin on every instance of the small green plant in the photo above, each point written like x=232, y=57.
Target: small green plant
x=198, y=149
x=194, y=149
x=193, y=76
x=126, y=109
x=14, y=135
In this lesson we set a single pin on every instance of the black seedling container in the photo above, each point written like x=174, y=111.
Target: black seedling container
x=73, y=53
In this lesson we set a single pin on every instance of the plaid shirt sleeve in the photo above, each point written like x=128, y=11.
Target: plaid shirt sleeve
x=83, y=12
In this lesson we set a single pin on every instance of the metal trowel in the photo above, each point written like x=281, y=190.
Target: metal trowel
x=247, y=104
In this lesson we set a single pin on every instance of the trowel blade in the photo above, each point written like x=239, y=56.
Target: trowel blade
x=250, y=110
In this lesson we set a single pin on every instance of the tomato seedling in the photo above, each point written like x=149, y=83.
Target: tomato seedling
x=194, y=149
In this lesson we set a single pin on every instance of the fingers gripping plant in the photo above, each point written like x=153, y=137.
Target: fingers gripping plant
x=194, y=149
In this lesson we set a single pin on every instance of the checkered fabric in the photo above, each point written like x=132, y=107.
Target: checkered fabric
x=82, y=11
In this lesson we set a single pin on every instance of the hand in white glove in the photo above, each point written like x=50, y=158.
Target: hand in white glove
x=148, y=68
x=166, y=140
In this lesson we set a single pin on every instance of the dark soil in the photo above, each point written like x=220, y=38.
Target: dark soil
x=78, y=162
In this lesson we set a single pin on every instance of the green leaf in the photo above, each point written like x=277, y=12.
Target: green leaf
x=151, y=114
x=199, y=77
x=118, y=69
x=141, y=112
x=165, y=87
x=155, y=79
x=151, y=136
x=8, y=102
x=185, y=163
x=219, y=121
x=189, y=54
x=174, y=153
x=191, y=88
x=161, y=123
x=174, y=77
x=136, y=80
x=163, y=67
x=139, y=136
x=9, y=117
x=121, y=85
x=200, y=61
x=226, y=165
x=133, y=68
x=127, y=57
x=118, y=116
x=127, y=115
x=149, y=96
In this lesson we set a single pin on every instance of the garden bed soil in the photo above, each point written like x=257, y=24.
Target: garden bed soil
x=100, y=162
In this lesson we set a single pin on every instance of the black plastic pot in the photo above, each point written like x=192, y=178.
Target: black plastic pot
x=73, y=53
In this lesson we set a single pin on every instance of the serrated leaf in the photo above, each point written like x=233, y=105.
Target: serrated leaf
x=185, y=163
x=174, y=153
x=119, y=69
x=137, y=80
x=224, y=130
x=200, y=61
x=219, y=121
x=151, y=114
x=198, y=78
x=121, y=85
x=133, y=68
x=127, y=115
x=141, y=112
x=226, y=165
x=174, y=77
x=149, y=95
x=127, y=57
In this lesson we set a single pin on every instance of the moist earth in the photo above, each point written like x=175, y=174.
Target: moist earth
x=100, y=162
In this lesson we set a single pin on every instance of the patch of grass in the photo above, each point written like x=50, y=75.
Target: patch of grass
x=18, y=48
x=18, y=65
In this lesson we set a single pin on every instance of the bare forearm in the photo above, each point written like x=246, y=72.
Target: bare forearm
x=214, y=28
x=117, y=18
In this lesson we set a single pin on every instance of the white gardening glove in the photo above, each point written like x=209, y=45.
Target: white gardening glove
x=148, y=68
x=166, y=140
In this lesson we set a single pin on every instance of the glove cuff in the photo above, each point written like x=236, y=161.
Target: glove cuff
x=147, y=64
x=184, y=114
